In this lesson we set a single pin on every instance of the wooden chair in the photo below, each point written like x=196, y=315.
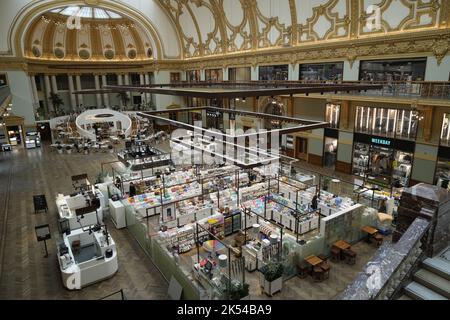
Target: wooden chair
x=323, y=257
x=303, y=270
x=378, y=239
x=335, y=253
x=318, y=274
x=350, y=256
x=326, y=269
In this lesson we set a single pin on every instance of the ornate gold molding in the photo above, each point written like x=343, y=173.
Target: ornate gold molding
x=423, y=43
x=433, y=42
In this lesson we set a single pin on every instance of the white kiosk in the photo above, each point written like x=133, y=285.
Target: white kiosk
x=87, y=256
x=68, y=205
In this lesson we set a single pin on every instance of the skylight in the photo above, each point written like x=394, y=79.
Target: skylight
x=87, y=12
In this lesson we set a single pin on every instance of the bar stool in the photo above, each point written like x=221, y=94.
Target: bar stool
x=326, y=269
x=335, y=253
x=350, y=256
x=318, y=274
x=378, y=238
x=303, y=270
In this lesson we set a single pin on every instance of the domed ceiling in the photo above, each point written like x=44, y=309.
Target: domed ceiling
x=84, y=33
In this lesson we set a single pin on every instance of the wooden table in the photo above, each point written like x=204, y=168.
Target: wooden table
x=370, y=230
x=342, y=245
x=313, y=260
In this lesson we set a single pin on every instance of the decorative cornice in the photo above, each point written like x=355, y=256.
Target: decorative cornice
x=435, y=42
x=423, y=43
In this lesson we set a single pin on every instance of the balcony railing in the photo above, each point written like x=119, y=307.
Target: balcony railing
x=412, y=89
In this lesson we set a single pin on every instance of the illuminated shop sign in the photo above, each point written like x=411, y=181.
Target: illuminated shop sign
x=383, y=142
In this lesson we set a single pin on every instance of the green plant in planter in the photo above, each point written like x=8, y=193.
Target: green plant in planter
x=325, y=183
x=59, y=147
x=68, y=148
x=272, y=271
x=100, y=178
x=237, y=291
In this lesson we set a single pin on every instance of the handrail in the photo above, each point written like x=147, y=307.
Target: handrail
x=391, y=264
x=122, y=295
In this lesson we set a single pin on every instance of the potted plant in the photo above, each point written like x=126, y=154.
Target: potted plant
x=111, y=149
x=57, y=102
x=60, y=149
x=238, y=291
x=124, y=98
x=271, y=277
x=86, y=150
x=326, y=183
x=69, y=149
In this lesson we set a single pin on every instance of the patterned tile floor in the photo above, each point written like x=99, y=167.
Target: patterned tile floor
x=25, y=273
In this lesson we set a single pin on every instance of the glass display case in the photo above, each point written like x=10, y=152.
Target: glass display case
x=393, y=70
x=271, y=73
x=32, y=140
x=322, y=71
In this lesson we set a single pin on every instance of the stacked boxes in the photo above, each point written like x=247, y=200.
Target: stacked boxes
x=431, y=203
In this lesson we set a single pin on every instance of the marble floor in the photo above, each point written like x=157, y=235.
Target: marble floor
x=25, y=273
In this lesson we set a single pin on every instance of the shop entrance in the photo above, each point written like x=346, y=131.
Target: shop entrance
x=14, y=135
x=45, y=131
x=382, y=163
x=301, y=150
x=330, y=152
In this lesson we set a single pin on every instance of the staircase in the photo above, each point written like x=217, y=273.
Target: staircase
x=431, y=281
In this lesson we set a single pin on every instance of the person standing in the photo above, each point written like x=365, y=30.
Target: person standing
x=132, y=190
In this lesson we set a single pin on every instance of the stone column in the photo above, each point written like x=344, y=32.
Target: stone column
x=73, y=100
x=35, y=92
x=54, y=85
x=98, y=96
x=345, y=115
x=105, y=95
x=427, y=113
x=142, y=83
x=80, y=96
x=120, y=83
x=127, y=83
x=48, y=89
x=147, y=82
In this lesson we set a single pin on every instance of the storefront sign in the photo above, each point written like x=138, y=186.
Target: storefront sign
x=402, y=145
x=383, y=142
